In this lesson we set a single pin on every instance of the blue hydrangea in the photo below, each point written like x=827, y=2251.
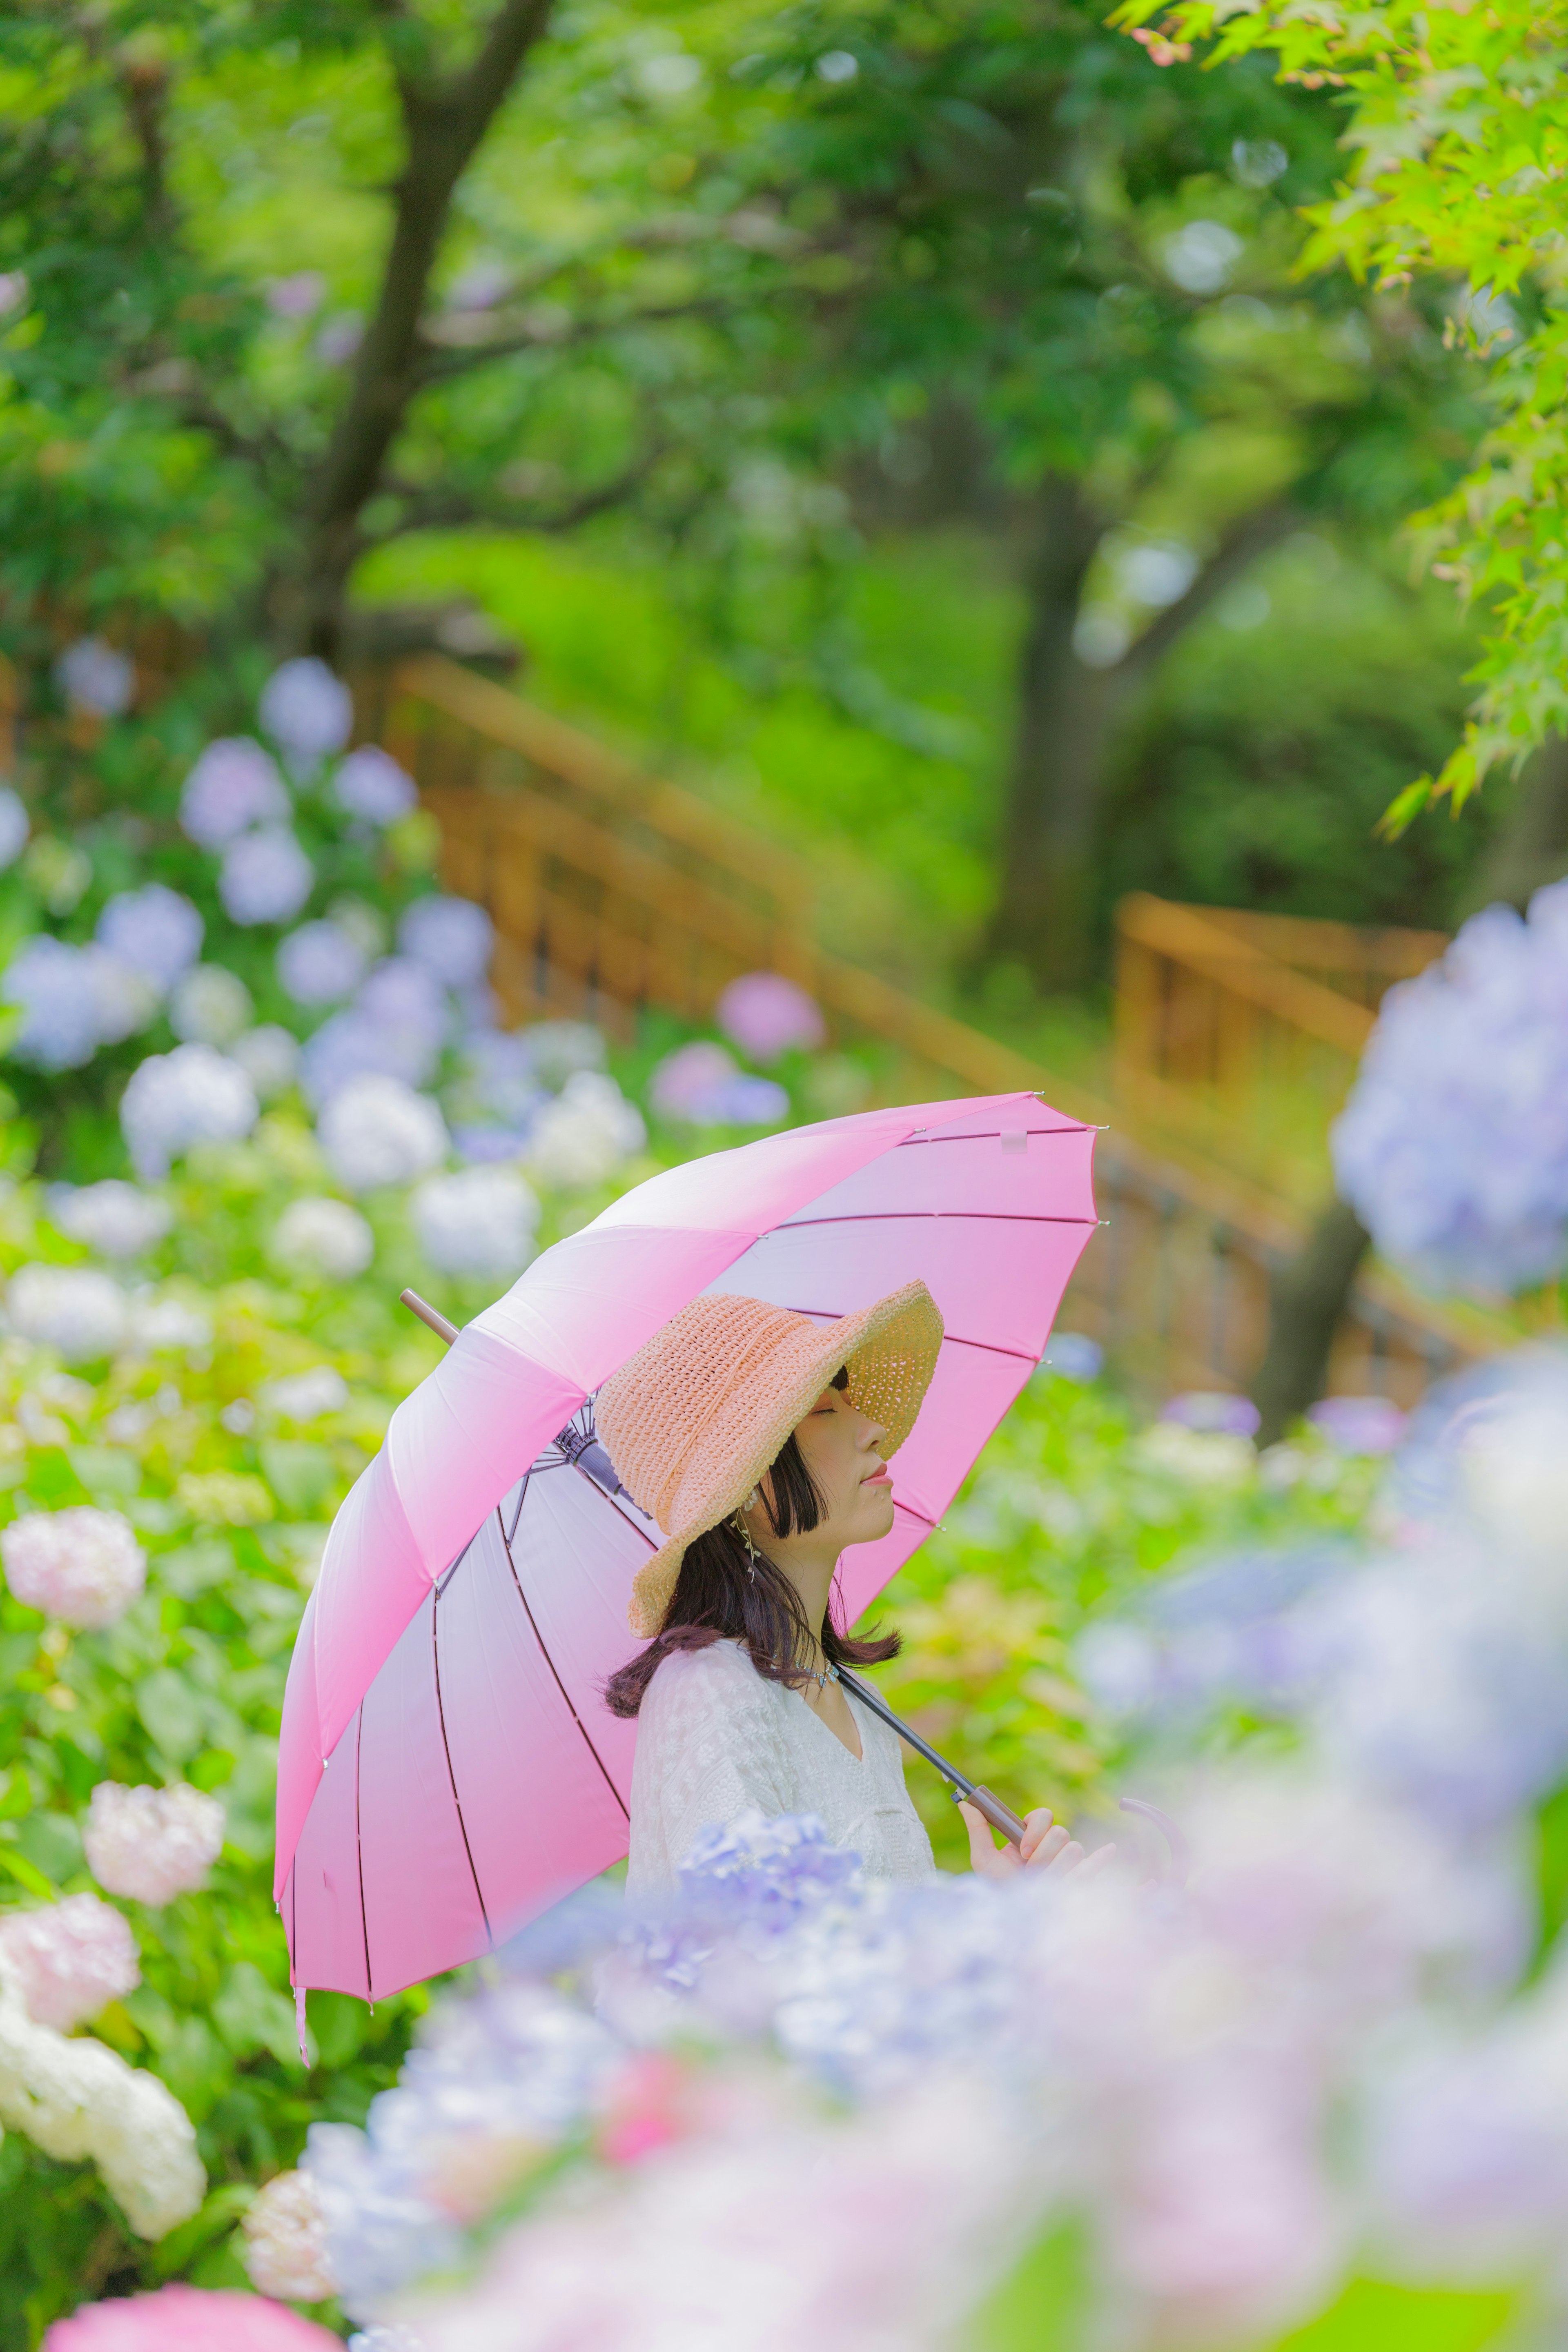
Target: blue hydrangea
x=1453, y=1148
x=155, y=930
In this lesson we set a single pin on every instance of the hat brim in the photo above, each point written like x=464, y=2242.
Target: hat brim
x=890, y=1351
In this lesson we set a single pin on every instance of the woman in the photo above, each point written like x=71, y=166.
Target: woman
x=761, y=1440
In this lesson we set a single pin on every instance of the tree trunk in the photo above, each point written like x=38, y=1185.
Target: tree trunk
x=1308, y=1296
x=1064, y=711
x=1531, y=847
x=443, y=123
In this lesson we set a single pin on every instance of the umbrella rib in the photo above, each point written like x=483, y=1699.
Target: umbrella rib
x=908, y=1216
x=950, y=1339
x=359, y=1855
x=559, y=1686
x=446, y=1751
x=990, y=1134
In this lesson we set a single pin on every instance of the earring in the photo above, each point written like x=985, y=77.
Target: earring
x=744, y=1532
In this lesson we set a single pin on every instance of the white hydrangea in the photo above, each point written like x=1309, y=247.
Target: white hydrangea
x=165, y=1325
x=285, y=2241
x=83, y=1566
x=117, y=1219
x=76, y=1310
x=152, y=1844
x=210, y=1006
x=194, y=1095
x=77, y=2100
x=480, y=1222
x=376, y=1130
x=585, y=1134
x=265, y=877
x=323, y=1237
x=270, y=1056
x=307, y=1396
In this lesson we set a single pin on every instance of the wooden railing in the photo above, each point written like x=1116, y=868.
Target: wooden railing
x=1239, y=1031
x=612, y=893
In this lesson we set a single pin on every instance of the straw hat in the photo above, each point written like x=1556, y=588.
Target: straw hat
x=694, y=1420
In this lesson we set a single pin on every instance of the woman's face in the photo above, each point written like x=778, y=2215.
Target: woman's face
x=839, y=1444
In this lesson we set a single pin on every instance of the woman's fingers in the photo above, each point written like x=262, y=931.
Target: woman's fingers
x=985, y=1856
x=1101, y=1859
x=1035, y=1824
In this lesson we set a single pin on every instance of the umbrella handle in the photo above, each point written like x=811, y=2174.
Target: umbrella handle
x=1000, y=1816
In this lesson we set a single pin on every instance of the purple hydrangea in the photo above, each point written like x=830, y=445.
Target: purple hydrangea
x=266, y=876
x=407, y=997
x=14, y=826
x=297, y=296
x=352, y=1045
x=765, y=1870
x=371, y=785
x=1214, y=1412
x=319, y=964
x=1453, y=1149
x=450, y=937
x=154, y=930
x=234, y=785
x=767, y=1015
x=92, y=675
x=1359, y=1425
x=305, y=709
x=685, y=1083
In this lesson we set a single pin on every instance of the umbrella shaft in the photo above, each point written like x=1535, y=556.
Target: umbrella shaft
x=999, y=1815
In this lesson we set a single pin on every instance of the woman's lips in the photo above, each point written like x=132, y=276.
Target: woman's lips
x=882, y=1477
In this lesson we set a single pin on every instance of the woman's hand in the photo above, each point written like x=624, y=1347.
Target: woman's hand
x=1046, y=1846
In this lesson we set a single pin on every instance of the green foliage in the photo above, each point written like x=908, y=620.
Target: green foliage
x=1457, y=125
x=1073, y=1505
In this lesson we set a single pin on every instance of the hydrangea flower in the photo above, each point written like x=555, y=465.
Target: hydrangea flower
x=451, y=936
x=93, y=676
x=480, y=1222
x=685, y=1082
x=1453, y=1148
x=174, y=1100
x=767, y=1015
x=308, y=1396
x=117, y=1219
x=210, y=1006
x=152, y=1844
x=354, y=1044
x=370, y=786
x=266, y=876
x=234, y=785
x=168, y=1323
x=69, y=1959
x=285, y=2241
x=1073, y=1357
x=297, y=296
x=406, y=996
x=1358, y=1424
x=74, y=1000
x=79, y=1313
x=154, y=930
x=305, y=709
x=585, y=1134
x=324, y=1237
x=319, y=964
x=180, y=2318
x=81, y=1566
x=377, y=1132
x=270, y=1056
x=1214, y=1411
x=14, y=826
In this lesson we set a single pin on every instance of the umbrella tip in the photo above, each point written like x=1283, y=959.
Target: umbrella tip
x=428, y=1313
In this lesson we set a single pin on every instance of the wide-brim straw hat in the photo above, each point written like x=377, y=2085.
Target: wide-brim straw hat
x=696, y=1418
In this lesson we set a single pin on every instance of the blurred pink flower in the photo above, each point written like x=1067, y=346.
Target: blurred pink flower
x=181, y=2318
x=684, y=1081
x=766, y=1014
x=68, y=1958
x=152, y=1843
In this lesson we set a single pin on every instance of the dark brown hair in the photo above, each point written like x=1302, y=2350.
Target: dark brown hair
x=722, y=1593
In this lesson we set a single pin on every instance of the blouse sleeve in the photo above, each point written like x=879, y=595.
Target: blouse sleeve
x=707, y=1748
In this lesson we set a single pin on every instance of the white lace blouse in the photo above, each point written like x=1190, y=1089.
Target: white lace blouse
x=714, y=1736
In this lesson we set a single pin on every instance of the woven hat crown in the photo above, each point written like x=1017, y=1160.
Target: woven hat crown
x=696, y=1418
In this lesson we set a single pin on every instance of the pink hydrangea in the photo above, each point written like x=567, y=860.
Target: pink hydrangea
x=181, y=2318
x=285, y=2241
x=69, y=1958
x=685, y=1081
x=83, y=1567
x=766, y=1014
x=152, y=1843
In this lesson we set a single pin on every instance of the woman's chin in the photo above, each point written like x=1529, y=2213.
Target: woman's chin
x=874, y=1519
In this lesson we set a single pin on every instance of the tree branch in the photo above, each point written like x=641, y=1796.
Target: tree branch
x=1246, y=540
x=457, y=510
x=440, y=366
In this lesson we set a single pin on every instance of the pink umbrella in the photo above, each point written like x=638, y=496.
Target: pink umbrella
x=447, y=1766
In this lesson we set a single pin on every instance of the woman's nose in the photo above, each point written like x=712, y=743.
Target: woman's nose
x=872, y=1435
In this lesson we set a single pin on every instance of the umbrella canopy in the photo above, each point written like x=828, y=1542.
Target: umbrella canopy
x=447, y=1766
